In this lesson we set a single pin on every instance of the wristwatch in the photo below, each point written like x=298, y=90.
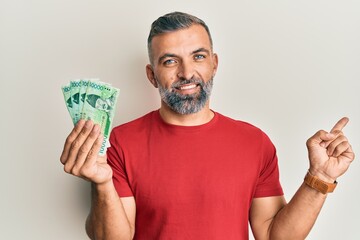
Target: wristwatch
x=318, y=184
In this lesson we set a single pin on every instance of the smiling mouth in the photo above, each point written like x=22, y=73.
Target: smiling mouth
x=187, y=86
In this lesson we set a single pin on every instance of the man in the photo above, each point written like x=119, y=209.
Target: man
x=187, y=172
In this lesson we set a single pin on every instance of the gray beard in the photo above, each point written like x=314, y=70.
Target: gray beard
x=188, y=103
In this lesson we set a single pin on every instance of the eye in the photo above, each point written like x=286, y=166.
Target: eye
x=199, y=57
x=169, y=62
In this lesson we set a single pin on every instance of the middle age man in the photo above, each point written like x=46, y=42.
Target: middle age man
x=187, y=172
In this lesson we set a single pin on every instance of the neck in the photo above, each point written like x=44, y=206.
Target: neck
x=203, y=116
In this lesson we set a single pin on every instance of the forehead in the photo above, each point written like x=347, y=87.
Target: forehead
x=182, y=40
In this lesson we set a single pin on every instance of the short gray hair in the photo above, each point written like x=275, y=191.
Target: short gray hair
x=171, y=22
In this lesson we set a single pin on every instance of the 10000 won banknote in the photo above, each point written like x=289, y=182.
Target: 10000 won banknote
x=91, y=99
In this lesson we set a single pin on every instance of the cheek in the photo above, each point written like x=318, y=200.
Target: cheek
x=206, y=72
x=166, y=78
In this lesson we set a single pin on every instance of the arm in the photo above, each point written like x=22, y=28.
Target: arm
x=272, y=218
x=330, y=155
x=110, y=217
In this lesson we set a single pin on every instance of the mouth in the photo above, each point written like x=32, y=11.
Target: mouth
x=187, y=89
x=187, y=86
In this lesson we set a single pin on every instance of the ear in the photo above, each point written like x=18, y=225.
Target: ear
x=215, y=62
x=150, y=75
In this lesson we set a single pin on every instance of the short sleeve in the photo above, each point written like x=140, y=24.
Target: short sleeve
x=268, y=183
x=116, y=159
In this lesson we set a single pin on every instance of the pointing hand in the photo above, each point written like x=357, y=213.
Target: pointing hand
x=330, y=153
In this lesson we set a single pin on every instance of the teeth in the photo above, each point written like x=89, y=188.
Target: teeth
x=186, y=87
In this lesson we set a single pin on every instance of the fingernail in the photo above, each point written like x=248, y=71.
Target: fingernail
x=100, y=138
x=96, y=128
x=80, y=122
x=88, y=124
x=323, y=144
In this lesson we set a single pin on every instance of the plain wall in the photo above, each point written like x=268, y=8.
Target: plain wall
x=288, y=67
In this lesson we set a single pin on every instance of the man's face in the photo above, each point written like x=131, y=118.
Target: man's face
x=183, y=68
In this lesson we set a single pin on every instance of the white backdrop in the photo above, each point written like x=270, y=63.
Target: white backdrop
x=289, y=67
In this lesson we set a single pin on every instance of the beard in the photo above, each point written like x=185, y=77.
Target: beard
x=186, y=103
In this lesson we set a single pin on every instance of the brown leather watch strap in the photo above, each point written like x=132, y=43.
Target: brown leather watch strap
x=318, y=184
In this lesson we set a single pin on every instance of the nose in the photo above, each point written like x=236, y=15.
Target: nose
x=186, y=70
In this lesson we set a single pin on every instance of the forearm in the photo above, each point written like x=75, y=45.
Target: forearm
x=295, y=220
x=107, y=218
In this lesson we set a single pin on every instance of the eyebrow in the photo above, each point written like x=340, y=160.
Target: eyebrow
x=166, y=55
x=201, y=50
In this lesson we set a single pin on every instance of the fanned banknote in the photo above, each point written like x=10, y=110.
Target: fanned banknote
x=67, y=97
x=83, y=88
x=75, y=98
x=99, y=105
x=82, y=93
x=91, y=99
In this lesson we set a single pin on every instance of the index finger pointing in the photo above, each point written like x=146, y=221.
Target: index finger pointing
x=340, y=124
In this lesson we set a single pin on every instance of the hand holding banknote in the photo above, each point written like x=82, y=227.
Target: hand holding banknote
x=91, y=105
x=80, y=154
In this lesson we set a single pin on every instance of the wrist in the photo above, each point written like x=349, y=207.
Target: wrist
x=322, y=176
x=319, y=185
x=104, y=187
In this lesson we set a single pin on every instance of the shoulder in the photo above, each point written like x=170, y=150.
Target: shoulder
x=244, y=130
x=239, y=125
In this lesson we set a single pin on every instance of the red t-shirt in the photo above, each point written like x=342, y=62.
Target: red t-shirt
x=192, y=182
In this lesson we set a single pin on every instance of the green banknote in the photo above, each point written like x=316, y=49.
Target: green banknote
x=67, y=97
x=84, y=83
x=91, y=99
x=99, y=106
x=83, y=87
x=75, y=98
